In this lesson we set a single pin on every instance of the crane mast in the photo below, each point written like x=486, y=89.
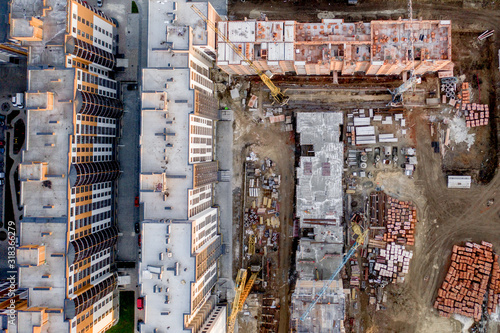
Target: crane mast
x=276, y=92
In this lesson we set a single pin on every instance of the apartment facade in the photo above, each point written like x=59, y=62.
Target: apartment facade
x=181, y=241
x=334, y=46
x=69, y=169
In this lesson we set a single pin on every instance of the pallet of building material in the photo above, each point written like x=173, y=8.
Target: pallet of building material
x=476, y=114
x=401, y=219
x=472, y=275
x=373, y=243
x=393, y=262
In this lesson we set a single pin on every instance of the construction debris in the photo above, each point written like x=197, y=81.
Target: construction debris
x=473, y=276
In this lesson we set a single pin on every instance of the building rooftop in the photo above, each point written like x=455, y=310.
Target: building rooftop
x=28, y=321
x=165, y=142
x=327, y=315
x=49, y=51
x=178, y=273
x=52, y=234
x=392, y=40
x=319, y=177
x=176, y=27
x=319, y=194
x=48, y=134
x=381, y=42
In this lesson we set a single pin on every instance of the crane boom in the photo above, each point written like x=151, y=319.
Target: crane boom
x=346, y=258
x=276, y=92
x=243, y=289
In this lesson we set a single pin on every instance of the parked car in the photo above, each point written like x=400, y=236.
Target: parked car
x=2, y=182
x=2, y=117
x=2, y=150
x=140, y=303
x=99, y=3
x=139, y=240
x=2, y=143
x=137, y=228
x=136, y=202
x=139, y=323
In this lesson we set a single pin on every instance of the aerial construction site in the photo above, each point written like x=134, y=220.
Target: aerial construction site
x=369, y=201
x=275, y=166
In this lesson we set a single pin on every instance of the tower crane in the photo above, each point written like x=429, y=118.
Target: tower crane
x=397, y=94
x=276, y=92
x=359, y=241
x=243, y=288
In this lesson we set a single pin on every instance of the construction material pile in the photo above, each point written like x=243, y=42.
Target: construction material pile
x=449, y=86
x=465, y=94
x=393, y=262
x=476, y=114
x=473, y=273
x=401, y=217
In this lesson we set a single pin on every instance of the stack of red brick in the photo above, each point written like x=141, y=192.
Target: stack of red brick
x=465, y=93
x=477, y=114
x=494, y=290
x=401, y=217
x=468, y=280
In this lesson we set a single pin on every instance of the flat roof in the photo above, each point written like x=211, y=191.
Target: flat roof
x=319, y=194
x=171, y=25
x=165, y=143
x=319, y=188
x=48, y=140
x=49, y=51
x=335, y=40
x=179, y=287
x=28, y=321
x=327, y=314
x=459, y=181
x=52, y=234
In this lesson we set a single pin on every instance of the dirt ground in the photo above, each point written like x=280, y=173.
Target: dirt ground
x=267, y=141
x=446, y=216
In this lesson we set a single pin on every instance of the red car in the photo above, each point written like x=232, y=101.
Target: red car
x=136, y=202
x=139, y=240
x=140, y=303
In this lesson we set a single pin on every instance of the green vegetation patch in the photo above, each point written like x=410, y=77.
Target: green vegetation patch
x=126, y=322
x=135, y=9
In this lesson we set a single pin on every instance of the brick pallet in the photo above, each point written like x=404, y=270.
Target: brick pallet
x=473, y=273
x=401, y=218
x=476, y=114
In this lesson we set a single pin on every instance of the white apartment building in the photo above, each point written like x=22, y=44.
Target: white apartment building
x=181, y=241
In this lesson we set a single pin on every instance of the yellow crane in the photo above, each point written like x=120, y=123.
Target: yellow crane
x=276, y=92
x=243, y=288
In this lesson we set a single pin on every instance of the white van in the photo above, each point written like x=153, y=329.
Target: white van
x=20, y=100
x=14, y=101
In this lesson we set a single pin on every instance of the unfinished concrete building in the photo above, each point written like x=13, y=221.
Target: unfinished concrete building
x=374, y=48
x=327, y=316
x=319, y=209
